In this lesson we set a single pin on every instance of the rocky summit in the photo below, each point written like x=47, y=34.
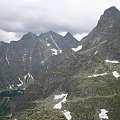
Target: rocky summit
x=54, y=77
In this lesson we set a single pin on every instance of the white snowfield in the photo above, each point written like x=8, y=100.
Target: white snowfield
x=10, y=87
x=116, y=74
x=57, y=97
x=60, y=51
x=55, y=51
x=48, y=44
x=42, y=62
x=7, y=60
x=77, y=49
x=63, y=98
x=111, y=61
x=21, y=82
x=30, y=58
x=96, y=52
x=58, y=106
x=103, y=114
x=96, y=75
x=67, y=114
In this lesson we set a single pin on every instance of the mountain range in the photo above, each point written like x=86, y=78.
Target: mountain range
x=72, y=80
x=33, y=54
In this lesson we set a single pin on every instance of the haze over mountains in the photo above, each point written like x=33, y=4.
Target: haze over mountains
x=72, y=80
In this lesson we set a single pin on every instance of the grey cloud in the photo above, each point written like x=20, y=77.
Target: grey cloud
x=38, y=16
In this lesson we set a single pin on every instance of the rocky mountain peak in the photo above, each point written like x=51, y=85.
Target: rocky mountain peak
x=51, y=32
x=30, y=33
x=106, y=32
x=69, y=37
x=110, y=15
x=54, y=34
x=112, y=10
x=68, y=34
x=29, y=36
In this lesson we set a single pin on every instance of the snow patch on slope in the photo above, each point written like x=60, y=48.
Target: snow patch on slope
x=29, y=75
x=111, y=61
x=57, y=97
x=30, y=58
x=55, y=51
x=96, y=52
x=48, y=44
x=103, y=114
x=77, y=49
x=56, y=44
x=10, y=86
x=42, y=62
x=59, y=105
x=24, y=56
x=21, y=82
x=116, y=74
x=60, y=51
x=7, y=60
x=28, y=79
x=96, y=75
x=67, y=114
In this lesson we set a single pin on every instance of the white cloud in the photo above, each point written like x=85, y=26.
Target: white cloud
x=63, y=33
x=32, y=1
x=8, y=36
x=80, y=36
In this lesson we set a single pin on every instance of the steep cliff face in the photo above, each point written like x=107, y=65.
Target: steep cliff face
x=107, y=33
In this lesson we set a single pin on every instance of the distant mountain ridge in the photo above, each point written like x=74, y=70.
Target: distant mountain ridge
x=34, y=54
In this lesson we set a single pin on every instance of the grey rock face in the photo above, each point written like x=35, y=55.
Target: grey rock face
x=107, y=32
x=33, y=54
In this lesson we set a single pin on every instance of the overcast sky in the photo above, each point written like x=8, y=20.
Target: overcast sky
x=79, y=17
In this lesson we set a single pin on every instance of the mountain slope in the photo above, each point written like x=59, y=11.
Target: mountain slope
x=90, y=86
x=107, y=32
